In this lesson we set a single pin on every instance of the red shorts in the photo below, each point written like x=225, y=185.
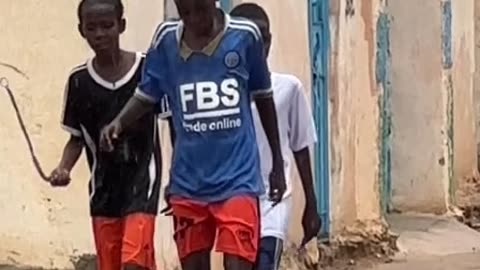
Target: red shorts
x=235, y=222
x=127, y=240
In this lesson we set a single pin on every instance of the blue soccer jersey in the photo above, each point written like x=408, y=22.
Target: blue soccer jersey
x=209, y=94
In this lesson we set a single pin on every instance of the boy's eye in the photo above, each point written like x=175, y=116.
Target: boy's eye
x=90, y=27
x=106, y=24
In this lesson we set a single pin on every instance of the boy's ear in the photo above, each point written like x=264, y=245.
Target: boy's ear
x=80, y=30
x=123, y=25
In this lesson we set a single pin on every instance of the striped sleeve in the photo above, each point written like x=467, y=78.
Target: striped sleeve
x=259, y=82
x=70, y=121
x=154, y=80
x=163, y=108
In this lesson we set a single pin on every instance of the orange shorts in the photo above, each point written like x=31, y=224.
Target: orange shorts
x=127, y=240
x=235, y=222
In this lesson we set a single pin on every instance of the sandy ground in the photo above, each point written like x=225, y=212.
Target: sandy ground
x=469, y=261
x=425, y=243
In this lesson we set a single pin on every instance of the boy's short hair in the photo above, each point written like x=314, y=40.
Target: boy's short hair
x=250, y=11
x=118, y=5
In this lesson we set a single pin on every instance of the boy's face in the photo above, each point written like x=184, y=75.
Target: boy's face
x=197, y=15
x=101, y=27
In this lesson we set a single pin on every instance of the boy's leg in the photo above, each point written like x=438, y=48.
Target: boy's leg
x=238, y=226
x=269, y=253
x=194, y=233
x=138, y=250
x=275, y=220
x=108, y=233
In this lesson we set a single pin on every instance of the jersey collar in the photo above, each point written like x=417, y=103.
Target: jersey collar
x=186, y=52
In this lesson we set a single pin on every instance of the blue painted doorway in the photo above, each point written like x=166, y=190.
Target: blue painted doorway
x=319, y=54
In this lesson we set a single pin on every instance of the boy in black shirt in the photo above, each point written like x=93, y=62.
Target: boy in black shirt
x=125, y=184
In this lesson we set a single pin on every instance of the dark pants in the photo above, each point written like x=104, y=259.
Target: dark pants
x=269, y=253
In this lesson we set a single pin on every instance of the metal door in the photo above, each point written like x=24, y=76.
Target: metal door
x=319, y=53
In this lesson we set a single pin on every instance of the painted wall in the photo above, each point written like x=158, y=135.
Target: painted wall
x=354, y=97
x=477, y=65
x=433, y=115
x=419, y=132
x=48, y=226
x=354, y=102
x=42, y=226
x=465, y=128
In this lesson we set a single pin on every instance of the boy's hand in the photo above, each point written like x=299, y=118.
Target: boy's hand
x=277, y=184
x=311, y=223
x=60, y=177
x=109, y=134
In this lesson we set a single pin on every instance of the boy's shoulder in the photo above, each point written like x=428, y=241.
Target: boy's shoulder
x=163, y=29
x=244, y=26
x=78, y=71
x=289, y=81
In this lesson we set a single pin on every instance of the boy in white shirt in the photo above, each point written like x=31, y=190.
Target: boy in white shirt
x=297, y=134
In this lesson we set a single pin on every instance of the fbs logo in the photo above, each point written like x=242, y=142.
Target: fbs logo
x=208, y=99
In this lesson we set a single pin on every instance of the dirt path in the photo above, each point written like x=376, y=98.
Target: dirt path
x=469, y=261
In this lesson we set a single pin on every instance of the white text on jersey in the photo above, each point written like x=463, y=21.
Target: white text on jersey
x=209, y=101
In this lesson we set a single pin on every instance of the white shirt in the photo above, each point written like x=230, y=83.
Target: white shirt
x=297, y=131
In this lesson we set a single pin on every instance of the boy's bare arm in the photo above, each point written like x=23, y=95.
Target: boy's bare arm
x=131, y=112
x=302, y=160
x=60, y=176
x=268, y=116
x=71, y=153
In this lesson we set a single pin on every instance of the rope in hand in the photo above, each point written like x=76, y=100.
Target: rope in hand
x=36, y=163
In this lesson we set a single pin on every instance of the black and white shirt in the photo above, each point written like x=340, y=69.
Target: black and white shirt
x=128, y=179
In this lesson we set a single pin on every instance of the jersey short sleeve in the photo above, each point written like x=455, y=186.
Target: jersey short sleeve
x=154, y=80
x=259, y=82
x=162, y=108
x=70, y=121
x=300, y=120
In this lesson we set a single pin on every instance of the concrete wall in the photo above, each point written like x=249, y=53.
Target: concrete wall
x=477, y=65
x=42, y=226
x=354, y=124
x=49, y=226
x=433, y=115
x=419, y=131
x=60, y=223
x=464, y=126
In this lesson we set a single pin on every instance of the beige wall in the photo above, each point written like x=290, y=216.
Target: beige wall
x=425, y=167
x=41, y=226
x=477, y=65
x=465, y=128
x=48, y=226
x=354, y=114
x=419, y=131
x=44, y=227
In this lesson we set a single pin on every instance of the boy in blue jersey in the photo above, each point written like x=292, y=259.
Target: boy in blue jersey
x=208, y=66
